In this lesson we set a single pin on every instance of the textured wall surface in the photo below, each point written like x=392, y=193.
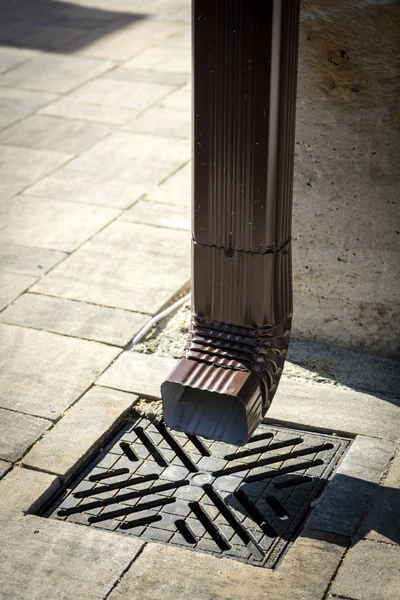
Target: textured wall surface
x=346, y=195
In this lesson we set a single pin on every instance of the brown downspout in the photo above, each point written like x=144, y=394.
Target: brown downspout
x=244, y=97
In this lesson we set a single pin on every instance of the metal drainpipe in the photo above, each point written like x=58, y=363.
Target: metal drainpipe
x=244, y=97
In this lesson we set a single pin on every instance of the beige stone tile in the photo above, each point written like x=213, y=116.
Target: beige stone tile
x=162, y=215
x=304, y=574
x=139, y=373
x=76, y=319
x=9, y=60
x=138, y=161
x=24, y=490
x=27, y=260
x=4, y=467
x=120, y=44
x=26, y=221
x=130, y=266
x=112, y=93
x=160, y=58
x=8, y=189
x=174, y=190
x=75, y=108
x=18, y=432
x=162, y=121
x=180, y=100
x=44, y=373
x=55, y=72
x=175, y=78
x=370, y=570
x=112, y=192
x=91, y=419
x=54, y=557
x=24, y=166
x=41, y=132
x=12, y=285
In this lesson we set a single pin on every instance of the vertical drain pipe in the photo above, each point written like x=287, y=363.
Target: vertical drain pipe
x=244, y=97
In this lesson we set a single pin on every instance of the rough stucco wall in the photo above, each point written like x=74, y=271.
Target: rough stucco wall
x=346, y=189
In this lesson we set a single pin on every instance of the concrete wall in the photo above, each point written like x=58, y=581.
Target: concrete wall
x=346, y=192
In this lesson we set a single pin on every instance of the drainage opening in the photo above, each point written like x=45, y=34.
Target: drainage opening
x=247, y=503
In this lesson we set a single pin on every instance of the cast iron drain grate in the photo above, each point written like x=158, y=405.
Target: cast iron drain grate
x=246, y=503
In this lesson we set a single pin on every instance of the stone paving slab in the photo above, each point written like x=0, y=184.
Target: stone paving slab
x=159, y=214
x=28, y=260
x=174, y=190
x=113, y=193
x=55, y=72
x=24, y=490
x=27, y=166
x=15, y=104
x=129, y=40
x=175, y=78
x=56, y=134
x=170, y=573
x=382, y=522
x=370, y=571
x=325, y=406
x=12, y=285
x=26, y=219
x=44, y=558
x=44, y=373
x=161, y=121
x=91, y=419
x=349, y=492
x=76, y=319
x=4, y=467
x=179, y=100
x=138, y=373
x=18, y=432
x=9, y=60
x=121, y=266
x=158, y=58
x=73, y=107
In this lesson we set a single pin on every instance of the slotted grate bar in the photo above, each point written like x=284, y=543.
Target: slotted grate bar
x=247, y=503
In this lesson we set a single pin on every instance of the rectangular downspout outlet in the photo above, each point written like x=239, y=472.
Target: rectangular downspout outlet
x=244, y=99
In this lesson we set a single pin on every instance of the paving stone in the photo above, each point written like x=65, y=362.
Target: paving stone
x=175, y=78
x=9, y=60
x=12, y=285
x=55, y=134
x=27, y=166
x=121, y=266
x=128, y=95
x=91, y=419
x=174, y=190
x=112, y=192
x=161, y=215
x=27, y=260
x=351, y=489
x=55, y=72
x=65, y=559
x=44, y=373
x=125, y=42
x=158, y=58
x=162, y=121
x=26, y=220
x=181, y=39
x=18, y=432
x=15, y=104
x=137, y=161
x=382, y=523
x=180, y=100
x=4, y=467
x=72, y=106
x=334, y=408
x=9, y=189
x=177, y=573
x=142, y=374
x=77, y=319
x=36, y=33
x=370, y=570
x=24, y=490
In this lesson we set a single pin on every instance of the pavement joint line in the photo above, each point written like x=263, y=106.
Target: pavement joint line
x=118, y=580
x=88, y=301
x=21, y=294
x=327, y=593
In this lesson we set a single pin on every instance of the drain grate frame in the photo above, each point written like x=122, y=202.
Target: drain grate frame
x=247, y=503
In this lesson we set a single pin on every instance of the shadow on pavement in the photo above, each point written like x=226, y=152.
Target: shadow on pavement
x=53, y=26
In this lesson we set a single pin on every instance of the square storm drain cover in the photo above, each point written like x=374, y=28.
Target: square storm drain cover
x=247, y=503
